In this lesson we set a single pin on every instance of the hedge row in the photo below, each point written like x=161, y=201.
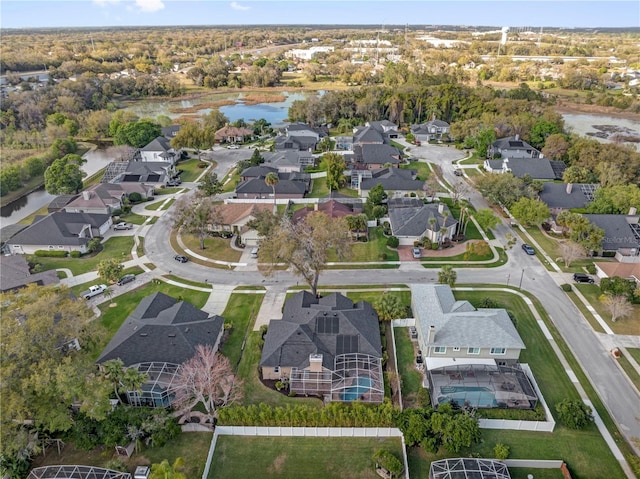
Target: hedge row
x=51, y=253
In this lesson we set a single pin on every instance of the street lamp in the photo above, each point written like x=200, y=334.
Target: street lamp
x=521, y=276
x=508, y=278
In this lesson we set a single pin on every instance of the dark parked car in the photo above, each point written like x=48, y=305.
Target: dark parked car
x=458, y=172
x=528, y=249
x=583, y=278
x=180, y=258
x=127, y=278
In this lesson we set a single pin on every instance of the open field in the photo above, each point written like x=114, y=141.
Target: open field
x=298, y=457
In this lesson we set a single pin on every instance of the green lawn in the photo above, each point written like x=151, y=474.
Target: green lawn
x=167, y=191
x=437, y=261
x=630, y=371
x=411, y=378
x=159, y=204
x=115, y=247
x=459, y=257
x=190, y=170
x=595, y=325
x=241, y=312
x=214, y=248
x=133, y=218
x=230, y=185
x=422, y=167
x=630, y=325
x=635, y=353
x=372, y=250
x=373, y=296
x=298, y=457
x=187, y=281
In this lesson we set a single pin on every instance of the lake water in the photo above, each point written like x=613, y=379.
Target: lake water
x=29, y=204
x=275, y=113
x=583, y=124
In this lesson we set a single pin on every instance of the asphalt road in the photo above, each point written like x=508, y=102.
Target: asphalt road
x=614, y=388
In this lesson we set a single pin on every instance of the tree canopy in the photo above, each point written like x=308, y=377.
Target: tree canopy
x=530, y=212
x=64, y=175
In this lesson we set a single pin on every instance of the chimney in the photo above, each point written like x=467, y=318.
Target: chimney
x=569, y=188
x=431, y=334
x=517, y=136
x=632, y=211
x=86, y=195
x=441, y=207
x=315, y=363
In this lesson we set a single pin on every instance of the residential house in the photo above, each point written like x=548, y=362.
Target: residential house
x=622, y=270
x=60, y=201
x=233, y=217
x=150, y=173
x=331, y=208
x=367, y=135
x=536, y=168
x=375, y=156
x=290, y=185
x=159, y=150
x=156, y=338
x=512, y=147
x=396, y=182
x=15, y=274
x=260, y=171
x=169, y=132
x=621, y=235
x=302, y=129
x=467, y=350
x=233, y=134
x=434, y=130
x=104, y=198
x=295, y=143
x=411, y=220
x=566, y=196
x=288, y=161
x=60, y=231
x=326, y=346
x=388, y=129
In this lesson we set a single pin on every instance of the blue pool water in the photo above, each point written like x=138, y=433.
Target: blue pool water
x=475, y=396
x=361, y=386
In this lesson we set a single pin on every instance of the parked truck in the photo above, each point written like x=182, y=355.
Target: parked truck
x=94, y=290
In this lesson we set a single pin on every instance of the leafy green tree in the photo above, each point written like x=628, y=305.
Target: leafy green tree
x=390, y=463
x=34, y=166
x=110, y=270
x=415, y=425
x=165, y=470
x=579, y=174
x=542, y=130
x=573, y=413
x=42, y=371
x=119, y=119
x=305, y=246
x=447, y=275
x=482, y=140
x=195, y=216
x=357, y=224
x=334, y=165
x=617, y=286
x=504, y=189
x=262, y=127
x=64, y=175
x=210, y=185
x=501, y=451
x=530, y=212
x=137, y=134
x=389, y=306
x=486, y=218
x=614, y=200
x=62, y=147
x=10, y=179
x=376, y=195
x=455, y=430
x=555, y=146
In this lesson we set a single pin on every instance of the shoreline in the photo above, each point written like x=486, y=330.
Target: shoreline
x=581, y=109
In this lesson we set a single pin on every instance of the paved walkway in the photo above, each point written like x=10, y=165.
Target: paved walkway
x=218, y=299
x=271, y=307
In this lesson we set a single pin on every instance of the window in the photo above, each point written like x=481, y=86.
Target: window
x=276, y=369
x=440, y=349
x=473, y=351
x=456, y=349
x=498, y=351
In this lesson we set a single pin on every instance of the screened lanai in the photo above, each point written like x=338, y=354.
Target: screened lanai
x=482, y=386
x=76, y=472
x=468, y=468
x=159, y=389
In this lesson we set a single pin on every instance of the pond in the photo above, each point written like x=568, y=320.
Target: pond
x=275, y=113
x=602, y=127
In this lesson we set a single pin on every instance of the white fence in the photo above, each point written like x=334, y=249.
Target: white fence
x=534, y=464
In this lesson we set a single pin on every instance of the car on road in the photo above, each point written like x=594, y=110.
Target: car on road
x=174, y=182
x=127, y=278
x=123, y=225
x=180, y=258
x=583, y=278
x=94, y=290
x=233, y=147
x=528, y=249
x=457, y=172
x=416, y=252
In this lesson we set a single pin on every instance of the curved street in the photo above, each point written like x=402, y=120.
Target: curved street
x=617, y=392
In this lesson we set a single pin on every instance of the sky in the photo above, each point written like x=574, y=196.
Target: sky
x=512, y=13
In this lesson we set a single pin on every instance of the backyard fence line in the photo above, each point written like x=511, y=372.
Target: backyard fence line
x=534, y=464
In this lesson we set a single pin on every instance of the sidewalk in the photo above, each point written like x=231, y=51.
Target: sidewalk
x=271, y=307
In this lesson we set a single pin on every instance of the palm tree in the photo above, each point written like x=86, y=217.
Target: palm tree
x=114, y=371
x=432, y=224
x=272, y=180
x=447, y=275
x=132, y=380
x=164, y=470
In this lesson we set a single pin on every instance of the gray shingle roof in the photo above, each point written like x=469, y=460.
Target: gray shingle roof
x=374, y=154
x=414, y=221
x=618, y=232
x=59, y=228
x=393, y=179
x=14, y=273
x=537, y=168
x=258, y=186
x=458, y=323
x=310, y=325
x=158, y=144
x=368, y=134
x=162, y=329
x=258, y=171
x=555, y=195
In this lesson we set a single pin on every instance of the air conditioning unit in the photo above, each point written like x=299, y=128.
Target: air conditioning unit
x=142, y=472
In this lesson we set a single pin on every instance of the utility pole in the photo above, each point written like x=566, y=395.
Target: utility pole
x=521, y=276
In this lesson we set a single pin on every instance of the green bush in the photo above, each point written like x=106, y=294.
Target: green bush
x=434, y=246
x=501, y=451
x=591, y=268
x=203, y=164
x=566, y=287
x=393, y=242
x=51, y=254
x=75, y=254
x=135, y=197
x=387, y=461
x=574, y=413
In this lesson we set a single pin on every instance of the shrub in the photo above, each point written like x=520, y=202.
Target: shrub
x=51, y=254
x=388, y=462
x=393, y=242
x=566, y=287
x=501, y=451
x=203, y=164
x=116, y=212
x=434, y=246
x=135, y=197
x=573, y=413
x=93, y=244
x=384, y=256
x=591, y=268
x=75, y=254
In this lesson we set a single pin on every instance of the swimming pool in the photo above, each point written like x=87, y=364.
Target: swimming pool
x=361, y=386
x=472, y=395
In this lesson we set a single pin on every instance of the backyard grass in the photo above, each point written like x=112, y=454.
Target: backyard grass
x=630, y=325
x=193, y=447
x=115, y=247
x=372, y=250
x=411, y=377
x=240, y=313
x=320, y=189
x=214, y=248
x=233, y=180
x=190, y=170
x=373, y=296
x=298, y=457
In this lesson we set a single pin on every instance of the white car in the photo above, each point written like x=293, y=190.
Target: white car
x=233, y=147
x=123, y=225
